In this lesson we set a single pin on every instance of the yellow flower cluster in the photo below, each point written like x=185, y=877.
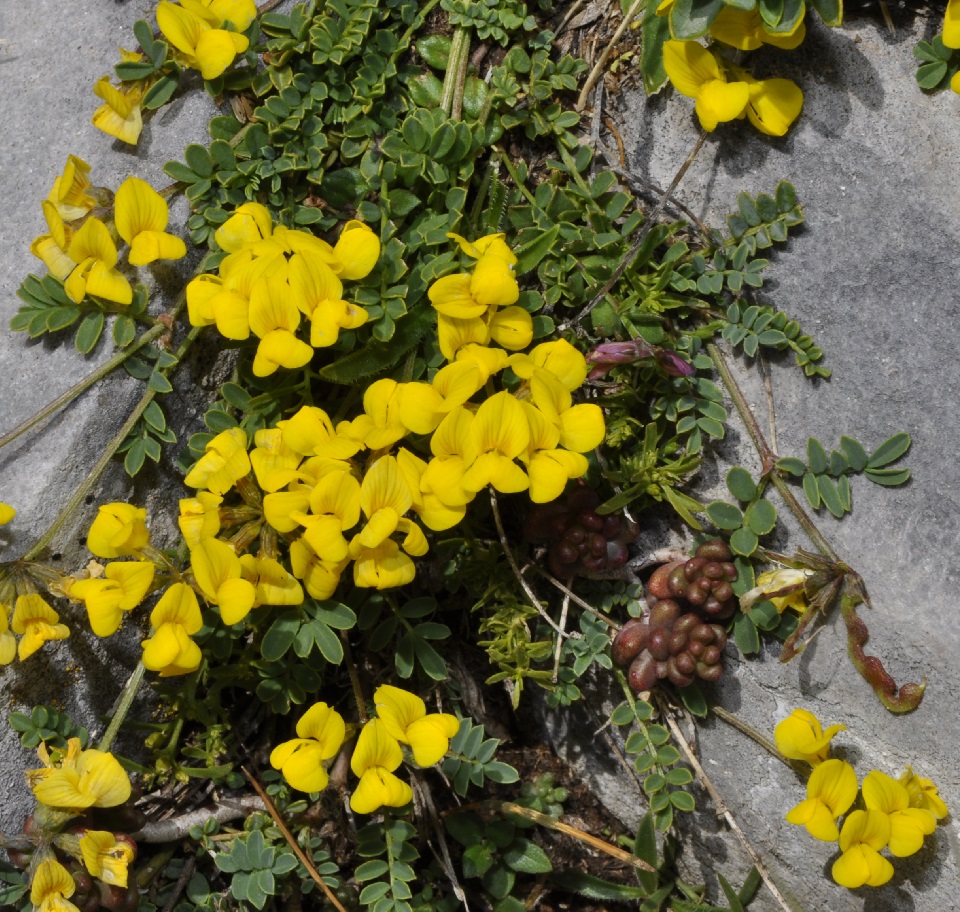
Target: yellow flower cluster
x=77, y=779
x=80, y=249
x=402, y=719
x=205, y=36
x=342, y=511
x=276, y=279
x=951, y=35
x=897, y=814
x=725, y=92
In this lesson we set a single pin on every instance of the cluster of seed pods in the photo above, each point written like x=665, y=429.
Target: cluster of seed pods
x=579, y=540
x=679, y=639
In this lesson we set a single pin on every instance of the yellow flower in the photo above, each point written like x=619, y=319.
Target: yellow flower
x=500, y=432
x=69, y=194
x=318, y=292
x=199, y=517
x=250, y=223
x=274, y=463
x=218, y=573
x=783, y=587
x=455, y=448
x=745, y=30
x=205, y=48
x=380, y=425
x=124, y=586
x=105, y=858
x=274, y=319
x=424, y=405
x=8, y=642
x=119, y=115
x=79, y=779
x=170, y=651
x=37, y=623
x=492, y=284
x=923, y=793
x=119, y=530
x=273, y=585
x=95, y=254
x=549, y=466
x=52, y=248
x=864, y=834
x=374, y=759
x=404, y=716
x=310, y=432
x=559, y=358
x=908, y=825
x=141, y=216
x=321, y=731
x=237, y=13
x=490, y=243
x=951, y=24
x=334, y=509
x=6, y=513
x=581, y=427
x=384, y=498
x=51, y=888
x=831, y=789
x=695, y=72
x=356, y=251
x=319, y=577
x=223, y=464
x=774, y=103
x=801, y=737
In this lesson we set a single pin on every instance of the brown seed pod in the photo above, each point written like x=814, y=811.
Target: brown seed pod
x=664, y=614
x=658, y=644
x=685, y=663
x=658, y=584
x=720, y=635
x=711, y=673
x=629, y=641
x=711, y=655
x=678, y=677
x=642, y=674
x=715, y=550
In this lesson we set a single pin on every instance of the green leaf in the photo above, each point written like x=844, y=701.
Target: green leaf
x=531, y=253
x=692, y=18
x=694, y=700
x=732, y=898
x=280, y=636
x=198, y=160
x=88, y=333
x=889, y=478
x=741, y=485
x=161, y=92
x=830, y=495
x=590, y=887
x=761, y=517
x=744, y=542
x=683, y=801
x=724, y=515
x=792, y=466
x=889, y=451
x=831, y=11
x=135, y=457
x=812, y=490
x=527, y=857
x=855, y=453
x=159, y=383
x=124, y=331
x=745, y=634
x=816, y=456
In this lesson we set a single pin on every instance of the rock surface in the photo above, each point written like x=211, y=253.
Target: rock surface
x=872, y=278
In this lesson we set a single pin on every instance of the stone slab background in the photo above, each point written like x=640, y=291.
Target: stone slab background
x=872, y=278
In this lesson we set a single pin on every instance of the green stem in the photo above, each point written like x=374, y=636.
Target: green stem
x=767, y=456
x=515, y=177
x=762, y=740
x=451, y=101
x=69, y=395
x=109, y=452
x=123, y=707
